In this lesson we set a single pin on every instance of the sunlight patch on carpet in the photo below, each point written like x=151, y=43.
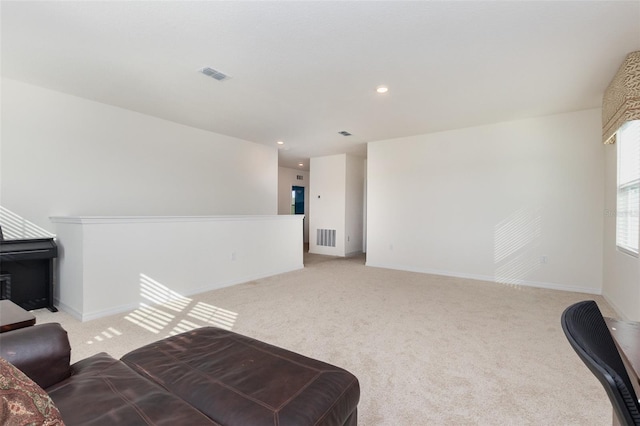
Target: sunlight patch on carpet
x=168, y=310
x=109, y=333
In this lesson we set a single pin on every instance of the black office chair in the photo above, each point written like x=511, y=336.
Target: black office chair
x=589, y=336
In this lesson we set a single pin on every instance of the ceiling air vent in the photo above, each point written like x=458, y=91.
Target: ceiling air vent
x=220, y=76
x=345, y=133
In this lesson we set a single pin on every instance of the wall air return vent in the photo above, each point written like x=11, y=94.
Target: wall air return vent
x=326, y=237
x=218, y=75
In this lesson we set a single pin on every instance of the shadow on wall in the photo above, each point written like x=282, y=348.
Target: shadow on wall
x=515, y=241
x=15, y=226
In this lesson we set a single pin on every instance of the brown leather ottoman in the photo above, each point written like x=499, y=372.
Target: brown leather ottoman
x=239, y=381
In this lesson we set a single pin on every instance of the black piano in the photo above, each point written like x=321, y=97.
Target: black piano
x=26, y=272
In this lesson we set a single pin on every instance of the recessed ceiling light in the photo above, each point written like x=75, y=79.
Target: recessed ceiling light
x=280, y=143
x=382, y=89
x=300, y=164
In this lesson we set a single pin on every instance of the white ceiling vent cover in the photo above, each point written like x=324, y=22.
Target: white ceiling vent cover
x=220, y=76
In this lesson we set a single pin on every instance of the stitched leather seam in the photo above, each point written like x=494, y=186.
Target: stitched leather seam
x=241, y=341
x=126, y=400
x=336, y=401
x=224, y=385
x=295, y=395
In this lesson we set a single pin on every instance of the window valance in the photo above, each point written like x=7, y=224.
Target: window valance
x=621, y=100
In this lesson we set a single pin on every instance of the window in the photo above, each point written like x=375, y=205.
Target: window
x=628, y=199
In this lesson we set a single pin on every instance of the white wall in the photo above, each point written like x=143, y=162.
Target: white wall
x=492, y=202
x=63, y=155
x=621, y=283
x=337, y=202
x=115, y=264
x=287, y=178
x=327, y=201
x=354, y=205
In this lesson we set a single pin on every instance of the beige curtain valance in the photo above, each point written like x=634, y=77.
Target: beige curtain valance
x=621, y=100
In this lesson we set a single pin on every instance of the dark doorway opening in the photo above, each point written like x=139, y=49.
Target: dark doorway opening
x=297, y=200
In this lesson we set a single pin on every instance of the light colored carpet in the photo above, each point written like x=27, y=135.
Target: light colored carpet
x=428, y=350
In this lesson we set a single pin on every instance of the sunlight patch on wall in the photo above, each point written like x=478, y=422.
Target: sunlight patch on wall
x=516, y=269
x=16, y=227
x=515, y=242
x=160, y=294
x=169, y=310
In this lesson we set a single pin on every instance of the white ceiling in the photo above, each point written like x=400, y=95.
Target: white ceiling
x=303, y=71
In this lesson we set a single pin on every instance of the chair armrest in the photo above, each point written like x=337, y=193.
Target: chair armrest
x=42, y=352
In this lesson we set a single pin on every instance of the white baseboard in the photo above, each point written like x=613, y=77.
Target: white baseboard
x=114, y=310
x=65, y=308
x=525, y=283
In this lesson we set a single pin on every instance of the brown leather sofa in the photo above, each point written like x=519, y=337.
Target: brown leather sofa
x=204, y=376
